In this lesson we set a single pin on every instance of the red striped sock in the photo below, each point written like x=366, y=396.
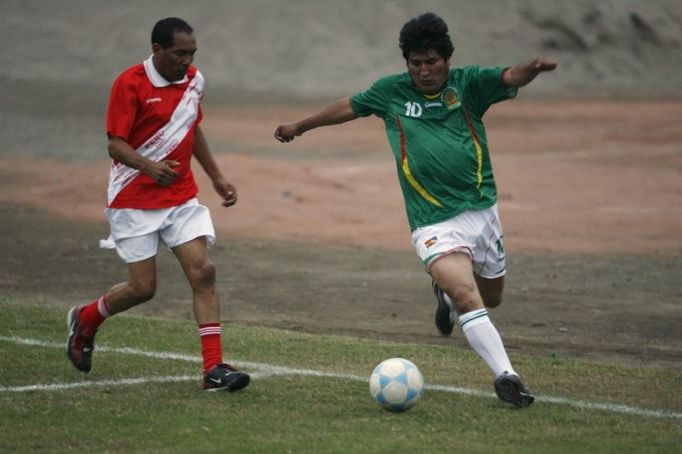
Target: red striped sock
x=211, y=349
x=92, y=315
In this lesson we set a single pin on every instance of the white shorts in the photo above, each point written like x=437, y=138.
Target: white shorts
x=475, y=233
x=135, y=233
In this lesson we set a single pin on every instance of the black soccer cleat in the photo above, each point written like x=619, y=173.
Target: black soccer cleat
x=225, y=377
x=510, y=389
x=444, y=312
x=79, y=347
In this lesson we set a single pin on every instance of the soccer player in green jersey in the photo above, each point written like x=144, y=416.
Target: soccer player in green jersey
x=433, y=115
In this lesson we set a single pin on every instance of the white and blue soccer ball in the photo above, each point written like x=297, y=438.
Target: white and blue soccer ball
x=396, y=384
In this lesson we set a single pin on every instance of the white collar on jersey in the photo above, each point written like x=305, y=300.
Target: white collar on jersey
x=155, y=78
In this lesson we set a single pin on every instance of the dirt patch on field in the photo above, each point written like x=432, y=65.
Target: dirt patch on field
x=590, y=199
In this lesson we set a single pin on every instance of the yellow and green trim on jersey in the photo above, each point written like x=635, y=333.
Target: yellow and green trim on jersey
x=408, y=174
x=439, y=143
x=479, y=149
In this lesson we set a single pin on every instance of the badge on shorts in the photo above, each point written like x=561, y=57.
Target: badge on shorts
x=450, y=98
x=431, y=241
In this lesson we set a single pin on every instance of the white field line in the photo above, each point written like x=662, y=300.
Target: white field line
x=99, y=383
x=266, y=370
x=109, y=383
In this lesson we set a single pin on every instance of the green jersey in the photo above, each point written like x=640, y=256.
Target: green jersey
x=439, y=142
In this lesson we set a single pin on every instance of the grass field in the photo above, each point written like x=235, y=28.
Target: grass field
x=308, y=394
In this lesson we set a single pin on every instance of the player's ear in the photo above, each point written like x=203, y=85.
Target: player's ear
x=156, y=48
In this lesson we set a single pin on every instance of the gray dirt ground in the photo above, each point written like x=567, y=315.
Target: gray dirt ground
x=616, y=309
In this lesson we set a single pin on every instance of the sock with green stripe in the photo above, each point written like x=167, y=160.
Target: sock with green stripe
x=485, y=340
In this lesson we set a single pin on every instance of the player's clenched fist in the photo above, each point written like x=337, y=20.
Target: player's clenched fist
x=287, y=132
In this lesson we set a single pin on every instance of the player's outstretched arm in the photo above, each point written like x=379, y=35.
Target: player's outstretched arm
x=339, y=112
x=202, y=154
x=523, y=73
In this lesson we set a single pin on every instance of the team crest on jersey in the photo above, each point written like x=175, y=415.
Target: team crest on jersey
x=450, y=98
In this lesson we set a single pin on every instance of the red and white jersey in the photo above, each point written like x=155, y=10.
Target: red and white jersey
x=158, y=118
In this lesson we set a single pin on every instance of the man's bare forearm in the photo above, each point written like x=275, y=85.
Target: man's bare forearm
x=523, y=73
x=339, y=112
x=336, y=113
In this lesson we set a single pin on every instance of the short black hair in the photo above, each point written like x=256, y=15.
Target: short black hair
x=426, y=32
x=164, y=31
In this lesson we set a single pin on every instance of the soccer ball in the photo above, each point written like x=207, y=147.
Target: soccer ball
x=396, y=384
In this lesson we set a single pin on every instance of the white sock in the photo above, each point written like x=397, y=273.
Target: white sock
x=485, y=340
x=103, y=308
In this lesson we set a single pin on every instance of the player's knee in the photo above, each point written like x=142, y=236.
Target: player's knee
x=464, y=298
x=204, y=275
x=144, y=291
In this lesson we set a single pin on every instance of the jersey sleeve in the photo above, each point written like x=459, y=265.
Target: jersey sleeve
x=374, y=100
x=486, y=87
x=122, y=109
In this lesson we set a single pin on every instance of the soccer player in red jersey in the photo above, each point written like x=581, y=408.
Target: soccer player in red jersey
x=153, y=129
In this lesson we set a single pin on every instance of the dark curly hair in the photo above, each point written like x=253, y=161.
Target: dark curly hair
x=426, y=32
x=164, y=30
